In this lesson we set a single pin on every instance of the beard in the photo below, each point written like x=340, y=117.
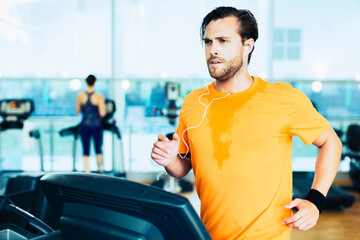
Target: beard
x=225, y=73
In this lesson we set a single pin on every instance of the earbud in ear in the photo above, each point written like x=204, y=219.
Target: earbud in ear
x=245, y=50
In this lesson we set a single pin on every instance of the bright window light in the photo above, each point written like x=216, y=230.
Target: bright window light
x=75, y=84
x=320, y=67
x=316, y=86
x=125, y=84
x=65, y=73
x=357, y=76
x=164, y=74
x=263, y=75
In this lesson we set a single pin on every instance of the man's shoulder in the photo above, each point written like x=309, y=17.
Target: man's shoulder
x=279, y=87
x=285, y=92
x=278, y=91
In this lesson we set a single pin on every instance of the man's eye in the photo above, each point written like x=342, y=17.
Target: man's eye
x=207, y=41
x=223, y=40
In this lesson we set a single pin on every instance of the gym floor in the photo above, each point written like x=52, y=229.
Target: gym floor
x=332, y=225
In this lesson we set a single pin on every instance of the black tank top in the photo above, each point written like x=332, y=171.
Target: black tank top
x=90, y=113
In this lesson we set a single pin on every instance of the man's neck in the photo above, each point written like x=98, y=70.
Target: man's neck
x=240, y=83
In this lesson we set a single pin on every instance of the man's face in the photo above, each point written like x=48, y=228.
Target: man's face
x=223, y=48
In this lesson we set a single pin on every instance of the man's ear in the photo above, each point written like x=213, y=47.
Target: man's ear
x=250, y=44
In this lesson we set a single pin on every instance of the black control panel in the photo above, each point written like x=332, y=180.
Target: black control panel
x=14, y=112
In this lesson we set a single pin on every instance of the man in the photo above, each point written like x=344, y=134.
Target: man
x=240, y=148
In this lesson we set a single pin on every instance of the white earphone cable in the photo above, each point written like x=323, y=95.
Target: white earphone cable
x=207, y=106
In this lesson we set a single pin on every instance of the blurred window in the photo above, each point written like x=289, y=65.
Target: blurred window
x=287, y=43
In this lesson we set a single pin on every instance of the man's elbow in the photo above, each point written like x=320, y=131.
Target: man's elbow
x=335, y=147
x=179, y=173
x=335, y=142
x=339, y=145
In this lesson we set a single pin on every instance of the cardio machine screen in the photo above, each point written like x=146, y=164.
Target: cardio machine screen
x=16, y=107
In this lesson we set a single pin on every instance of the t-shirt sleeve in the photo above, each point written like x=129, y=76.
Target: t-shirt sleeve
x=305, y=121
x=182, y=135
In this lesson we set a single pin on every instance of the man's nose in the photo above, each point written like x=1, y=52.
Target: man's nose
x=214, y=49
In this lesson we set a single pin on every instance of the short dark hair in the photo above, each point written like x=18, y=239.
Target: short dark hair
x=90, y=80
x=247, y=22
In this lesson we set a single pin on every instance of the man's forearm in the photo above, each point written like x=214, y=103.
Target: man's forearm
x=179, y=167
x=327, y=164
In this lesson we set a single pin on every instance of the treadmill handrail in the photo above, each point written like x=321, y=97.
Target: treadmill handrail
x=8, y=206
x=112, y=128
x=33, y=221
x=74, y=130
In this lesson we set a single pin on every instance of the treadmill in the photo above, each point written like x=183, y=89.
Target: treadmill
x=353, y=144
x=118, y=168
x=14, y=112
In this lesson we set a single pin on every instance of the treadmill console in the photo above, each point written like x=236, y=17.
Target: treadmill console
x=15, y=111
x=110, y=109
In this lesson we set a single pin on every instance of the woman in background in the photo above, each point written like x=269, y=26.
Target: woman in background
x=92, y=106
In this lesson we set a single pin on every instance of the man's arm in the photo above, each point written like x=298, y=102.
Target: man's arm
x=165, y=153
x=327, y=163
x=180, y=167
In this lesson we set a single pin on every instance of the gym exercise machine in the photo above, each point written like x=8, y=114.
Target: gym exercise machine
x=353, y=145
x=14, y=112
x=24, y=210
x=118, y=168
x=93, y=206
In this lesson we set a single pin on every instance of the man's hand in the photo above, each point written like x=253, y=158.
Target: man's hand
x=305, y=218
x=165, y=151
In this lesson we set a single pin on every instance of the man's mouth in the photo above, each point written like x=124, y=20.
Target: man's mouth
x=214, y=62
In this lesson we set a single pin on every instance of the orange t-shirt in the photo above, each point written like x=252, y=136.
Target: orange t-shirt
x=241, y=156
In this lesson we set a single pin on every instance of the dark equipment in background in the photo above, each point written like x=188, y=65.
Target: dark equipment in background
x=336, y=198
x=36, y=134
x=172, y=95
x=353, y=144
x=109, y=125
x=24, y=209
x=7, y=207
x=355, y=173
x=92, y=206
x=14, y=113
x=72, y=131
